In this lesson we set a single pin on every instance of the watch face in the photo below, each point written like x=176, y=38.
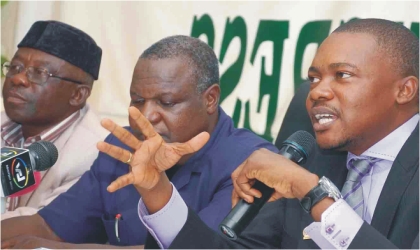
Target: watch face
x=329, y=187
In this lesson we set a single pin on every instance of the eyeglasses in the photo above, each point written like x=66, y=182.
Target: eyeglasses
x=35, y=75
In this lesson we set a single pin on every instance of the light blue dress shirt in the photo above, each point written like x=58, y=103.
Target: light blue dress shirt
x=175, y=213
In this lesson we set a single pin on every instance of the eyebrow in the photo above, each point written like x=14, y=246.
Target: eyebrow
x=39, y=62
x=313, y=69
x=333, y=66
x=337, y=65
x=160, y=94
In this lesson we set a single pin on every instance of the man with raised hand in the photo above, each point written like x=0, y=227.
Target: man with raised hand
x=363, y=100
x=176, y=86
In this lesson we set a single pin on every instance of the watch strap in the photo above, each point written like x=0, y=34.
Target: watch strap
x=313, y=197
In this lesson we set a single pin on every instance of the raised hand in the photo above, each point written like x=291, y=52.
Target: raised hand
x=150, y=157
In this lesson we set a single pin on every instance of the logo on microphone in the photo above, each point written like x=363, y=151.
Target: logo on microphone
x=7, y=154
x=20, y=172
x=226, y=231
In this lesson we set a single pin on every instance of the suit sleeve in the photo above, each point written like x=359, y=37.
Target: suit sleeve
x=22, y=211
x=263, y=232
x=370, y=238
x=76, y=215
x=416, y=243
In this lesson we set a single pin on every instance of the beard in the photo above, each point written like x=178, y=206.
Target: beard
x=339, y=145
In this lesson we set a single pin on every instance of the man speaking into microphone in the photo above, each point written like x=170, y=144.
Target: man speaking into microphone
x=363, y=101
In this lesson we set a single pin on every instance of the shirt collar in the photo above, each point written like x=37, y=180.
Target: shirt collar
x=389, y=147
x=12, y=132
x=222, y=125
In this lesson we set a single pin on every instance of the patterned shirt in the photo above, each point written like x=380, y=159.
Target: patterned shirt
x=12, y=136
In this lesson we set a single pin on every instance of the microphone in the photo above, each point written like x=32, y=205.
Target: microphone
x=18, y=166
x=296, y=148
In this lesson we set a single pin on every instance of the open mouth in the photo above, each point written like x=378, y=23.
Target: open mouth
x=323, y=118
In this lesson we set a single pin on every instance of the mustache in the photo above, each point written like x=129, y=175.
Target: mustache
x=322, y=104
x=14, y=91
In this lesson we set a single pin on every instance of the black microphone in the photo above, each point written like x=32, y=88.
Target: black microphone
x=18, y=164
x=296, y=148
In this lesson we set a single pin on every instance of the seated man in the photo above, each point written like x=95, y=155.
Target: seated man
x=176, y=86
x=363, y=100
x=47, y=83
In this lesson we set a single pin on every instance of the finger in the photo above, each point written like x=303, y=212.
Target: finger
x=234, y=175
x=237, y=192
x=191, y=146
x=245, y=186
x=241, y=194
x=235, y=198
x=275, y=197
x=7, y=244
x=114, y=151
x=236, y=172
x=121, y=133
x=143, y=124
x=238, y=195
x=121, y=182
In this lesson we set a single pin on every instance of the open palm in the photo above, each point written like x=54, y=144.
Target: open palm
x=150, y=157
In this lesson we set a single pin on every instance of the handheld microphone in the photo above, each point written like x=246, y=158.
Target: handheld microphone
x=18, y=166
x=296, y=148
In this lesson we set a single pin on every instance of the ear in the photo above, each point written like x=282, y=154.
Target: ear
x=408, y=90
x=80, y=95
x=211, y=98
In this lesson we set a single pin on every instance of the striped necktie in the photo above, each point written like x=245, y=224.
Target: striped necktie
x=352, y=190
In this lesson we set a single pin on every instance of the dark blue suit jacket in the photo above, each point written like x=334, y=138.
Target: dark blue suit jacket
x=280, y=224
x=86, y=212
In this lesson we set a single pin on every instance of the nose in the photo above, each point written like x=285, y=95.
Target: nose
x=20, y=79
x=321, y=91
x=151, y=111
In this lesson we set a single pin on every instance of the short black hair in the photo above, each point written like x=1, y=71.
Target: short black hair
x=205, y=66
x=399, y=43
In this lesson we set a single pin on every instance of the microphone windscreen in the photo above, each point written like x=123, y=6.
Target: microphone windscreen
x=45, y=154
x=302, y=141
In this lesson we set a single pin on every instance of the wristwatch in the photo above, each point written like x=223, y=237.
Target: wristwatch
x=325, y=188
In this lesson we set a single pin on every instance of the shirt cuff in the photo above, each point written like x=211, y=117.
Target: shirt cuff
x=165, y=224
x=338, y=227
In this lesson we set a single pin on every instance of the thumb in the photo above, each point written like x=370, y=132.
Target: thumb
x=193, y=145
x=7, y=244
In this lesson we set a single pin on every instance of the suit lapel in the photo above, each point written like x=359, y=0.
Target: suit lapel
x=400, y=176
